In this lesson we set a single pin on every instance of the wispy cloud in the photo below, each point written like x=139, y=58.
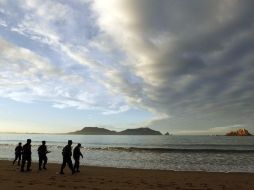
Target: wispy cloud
x=3, y=23
x=28, y=77
x=41, y=78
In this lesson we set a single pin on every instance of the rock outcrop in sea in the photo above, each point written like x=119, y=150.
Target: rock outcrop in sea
x=239, y=132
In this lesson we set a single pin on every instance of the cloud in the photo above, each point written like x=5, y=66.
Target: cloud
x=121, y=109
x=212, y=131
x=227, y=128
x=188, y=61
x=3, y=23
x=28, y=77
x=192, y=60
x=69, y=81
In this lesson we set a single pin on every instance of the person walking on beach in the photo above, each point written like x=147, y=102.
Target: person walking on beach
x=42, y=153
x=76, y=155
x=18, y=153
x=26, y=156
x=67, y=153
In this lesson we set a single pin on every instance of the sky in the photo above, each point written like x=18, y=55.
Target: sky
x=186, y=67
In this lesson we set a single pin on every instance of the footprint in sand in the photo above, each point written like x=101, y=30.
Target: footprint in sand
x=203, y=184
x=160, y=186
x=189, y=184
x=33, y=182
x=52, y=178
x=143, y=182
x=222, y=186
x=173, y=183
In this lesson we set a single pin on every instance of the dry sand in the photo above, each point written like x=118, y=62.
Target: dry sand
x=96, y=178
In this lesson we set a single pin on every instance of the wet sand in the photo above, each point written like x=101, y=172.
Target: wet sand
x=103, y=178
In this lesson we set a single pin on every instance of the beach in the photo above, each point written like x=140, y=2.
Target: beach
x=106, y=178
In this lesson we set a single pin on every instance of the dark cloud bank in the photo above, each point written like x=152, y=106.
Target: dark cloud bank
x=194, y=59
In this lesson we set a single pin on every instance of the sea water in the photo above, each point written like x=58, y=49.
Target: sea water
x=180, y=153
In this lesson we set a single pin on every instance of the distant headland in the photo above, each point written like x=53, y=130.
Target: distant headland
x=103, y=131
x=239, y=132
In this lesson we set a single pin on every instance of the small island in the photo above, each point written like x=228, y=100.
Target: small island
x=103, y=131
x=140, y=131
x=239, y=132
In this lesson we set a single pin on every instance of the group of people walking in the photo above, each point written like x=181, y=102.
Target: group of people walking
x=67, y=153
x=23, y=154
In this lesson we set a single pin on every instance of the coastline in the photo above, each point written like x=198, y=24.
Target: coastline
x=96, y=178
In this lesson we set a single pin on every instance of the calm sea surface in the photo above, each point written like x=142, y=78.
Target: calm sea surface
x=188, y=153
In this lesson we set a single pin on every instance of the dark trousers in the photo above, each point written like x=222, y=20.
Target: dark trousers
x=17, y=157
x=76, y=165
x=28, y=159
x=67, y=160
x=44, y=159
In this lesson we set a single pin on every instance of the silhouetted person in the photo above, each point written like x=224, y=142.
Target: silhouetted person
x=42, y=153
x=26, y=156
x=76, y=156
x=18, y=153
x=67, y=153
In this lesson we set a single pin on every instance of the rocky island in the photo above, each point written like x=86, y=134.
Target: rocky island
x=103, y=131
x=140, y=131
x=94, y=131
x=239, y=132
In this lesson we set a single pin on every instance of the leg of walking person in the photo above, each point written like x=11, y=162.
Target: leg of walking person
x=70, y=165
x=23, y=164
x=16, y=157
x=75, y=164
x=40, y=162
x=77, y=167
x=19, y=159
x=29, y=162
x=63, y=166
x=45, y=162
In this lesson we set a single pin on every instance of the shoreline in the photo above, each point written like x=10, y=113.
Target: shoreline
x=35, y=162
x=110, y=167
x=108, y=178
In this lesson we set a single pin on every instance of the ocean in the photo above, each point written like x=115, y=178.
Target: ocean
x=179, y=153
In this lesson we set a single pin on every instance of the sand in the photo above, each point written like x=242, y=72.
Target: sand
x=103, y=178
